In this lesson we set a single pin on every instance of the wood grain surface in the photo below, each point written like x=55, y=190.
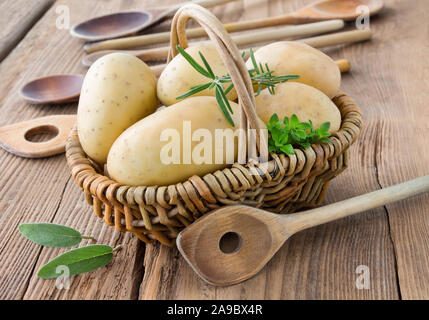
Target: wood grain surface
x=389, y=80
x=16, y=18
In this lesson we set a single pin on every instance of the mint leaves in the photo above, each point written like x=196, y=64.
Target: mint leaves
x=287, y=134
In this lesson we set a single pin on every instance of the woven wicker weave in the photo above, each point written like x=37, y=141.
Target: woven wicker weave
x=160, y=212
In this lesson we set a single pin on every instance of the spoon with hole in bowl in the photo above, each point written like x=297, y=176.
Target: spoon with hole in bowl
x=65, y=88
x=232, y=244
x=125, y=23
x=318, y=11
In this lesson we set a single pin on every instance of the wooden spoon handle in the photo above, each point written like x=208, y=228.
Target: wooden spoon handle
x=316, y=42
x=338, y=210
x=204, y=3
x=338, y=38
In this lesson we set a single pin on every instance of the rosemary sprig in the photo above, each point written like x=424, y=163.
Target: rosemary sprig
x=260, y=77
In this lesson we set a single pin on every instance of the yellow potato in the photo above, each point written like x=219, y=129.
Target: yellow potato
x=175, y=143
x=306, y=102
x=179, y=76
x=118, y=90
x=313, y=66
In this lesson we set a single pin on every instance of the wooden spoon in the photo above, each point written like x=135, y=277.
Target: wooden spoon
x=125, y=23
x=234, y=243
x=317, y=11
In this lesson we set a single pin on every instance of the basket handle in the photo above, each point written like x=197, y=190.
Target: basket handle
x=234, y=63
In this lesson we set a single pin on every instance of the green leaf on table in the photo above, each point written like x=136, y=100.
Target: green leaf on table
x=50, y=234
x=78, y=261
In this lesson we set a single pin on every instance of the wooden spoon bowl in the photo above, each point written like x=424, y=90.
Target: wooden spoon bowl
x=129, y=22
x=339, y=9
x=234, y=243
x=112, y=25
x=53, y=89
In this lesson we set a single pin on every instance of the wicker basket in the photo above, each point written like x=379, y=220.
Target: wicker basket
x=288, y=183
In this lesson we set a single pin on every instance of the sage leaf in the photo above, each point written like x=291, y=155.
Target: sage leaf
x=78, y=261
x=50, y=234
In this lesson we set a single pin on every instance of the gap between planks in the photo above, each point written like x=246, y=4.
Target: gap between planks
x=19, y=24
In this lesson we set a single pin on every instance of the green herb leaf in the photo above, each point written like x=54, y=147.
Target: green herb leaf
x=210, y=71
x=285, y=135
x=194, y=90
x=259, y=77
x=51, y=235
x=78, y=261
x=223, y=107
x=288, y=149
x=252, y=57
x=193, y=63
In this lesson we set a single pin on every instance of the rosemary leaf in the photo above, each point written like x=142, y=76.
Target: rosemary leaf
x=210, y=71
x=218, y=95
x=193, y=63
x=194, y=90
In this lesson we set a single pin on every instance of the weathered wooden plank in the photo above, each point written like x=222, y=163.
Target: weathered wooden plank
x=42, y=190
x=402, y=152
x=319, y=263
x=16, y=18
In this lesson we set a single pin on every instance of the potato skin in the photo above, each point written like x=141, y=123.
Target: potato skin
x=305, y=101
x=179, y=76
x=134, y=158
x=118, y=90
x=314, y=68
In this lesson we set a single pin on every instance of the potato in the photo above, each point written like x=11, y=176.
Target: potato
x=118, y=90
x=313, y=66
x=158, y=149
x=179, y=76
x=306, y=102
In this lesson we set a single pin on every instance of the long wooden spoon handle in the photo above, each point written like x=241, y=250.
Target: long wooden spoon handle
x=257, y=36
x=316, y=42
x=288, y=32
x=338, y=38
x=338, y=210
x=203, y=3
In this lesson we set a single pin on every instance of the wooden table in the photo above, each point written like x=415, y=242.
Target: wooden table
x=389, y=81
